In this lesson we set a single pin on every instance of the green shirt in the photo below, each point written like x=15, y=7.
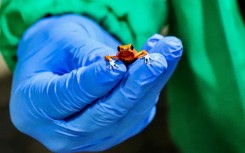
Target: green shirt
x=207, y=92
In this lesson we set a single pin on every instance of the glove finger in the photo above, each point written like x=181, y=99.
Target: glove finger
x=75, y=42
x=88, y=28
x=152, y=41
x=88, y=52
x=135, y=126
x=65, y=95
x=171, y=48
x=109, y=109
x=110, y=139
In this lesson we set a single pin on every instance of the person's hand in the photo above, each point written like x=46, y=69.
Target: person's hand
x=65, y=96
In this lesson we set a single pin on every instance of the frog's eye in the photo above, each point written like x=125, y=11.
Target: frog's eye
x=131, y=47
x=118, y=48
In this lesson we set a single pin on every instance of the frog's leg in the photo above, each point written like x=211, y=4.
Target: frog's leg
x=112, y=61
x=145, y=55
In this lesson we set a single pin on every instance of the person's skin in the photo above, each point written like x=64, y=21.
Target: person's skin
x=4, y=71
x=5, y=82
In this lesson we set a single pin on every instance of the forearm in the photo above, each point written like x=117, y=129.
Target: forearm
x=4, y=71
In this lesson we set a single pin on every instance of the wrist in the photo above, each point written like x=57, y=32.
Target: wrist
x=5, y=72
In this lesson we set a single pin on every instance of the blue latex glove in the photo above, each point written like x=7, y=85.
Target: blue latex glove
x=65, y=96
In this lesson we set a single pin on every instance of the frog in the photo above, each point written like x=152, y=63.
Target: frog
x=127, y=54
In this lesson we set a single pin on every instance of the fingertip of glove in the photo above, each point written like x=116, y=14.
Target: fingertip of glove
x=175, y=46
x=158, y=64
x=170, y=47
x=117, y=72
x=152, y=41
x=145, y=73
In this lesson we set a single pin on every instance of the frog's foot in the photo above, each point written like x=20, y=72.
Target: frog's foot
x=147, y=58
x=113, y=64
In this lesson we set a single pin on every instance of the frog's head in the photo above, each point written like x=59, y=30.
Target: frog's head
x=127, y=48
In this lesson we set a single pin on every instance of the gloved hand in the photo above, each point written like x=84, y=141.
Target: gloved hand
x=65, y=96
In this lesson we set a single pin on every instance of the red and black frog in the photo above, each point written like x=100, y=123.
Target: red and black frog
x=127, y=54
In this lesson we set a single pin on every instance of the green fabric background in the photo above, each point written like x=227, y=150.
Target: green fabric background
x=207, y=92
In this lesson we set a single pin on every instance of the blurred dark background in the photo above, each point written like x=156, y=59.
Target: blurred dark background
x=154, y=139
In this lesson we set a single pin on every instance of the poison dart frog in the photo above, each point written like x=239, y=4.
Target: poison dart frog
x=127, y=54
